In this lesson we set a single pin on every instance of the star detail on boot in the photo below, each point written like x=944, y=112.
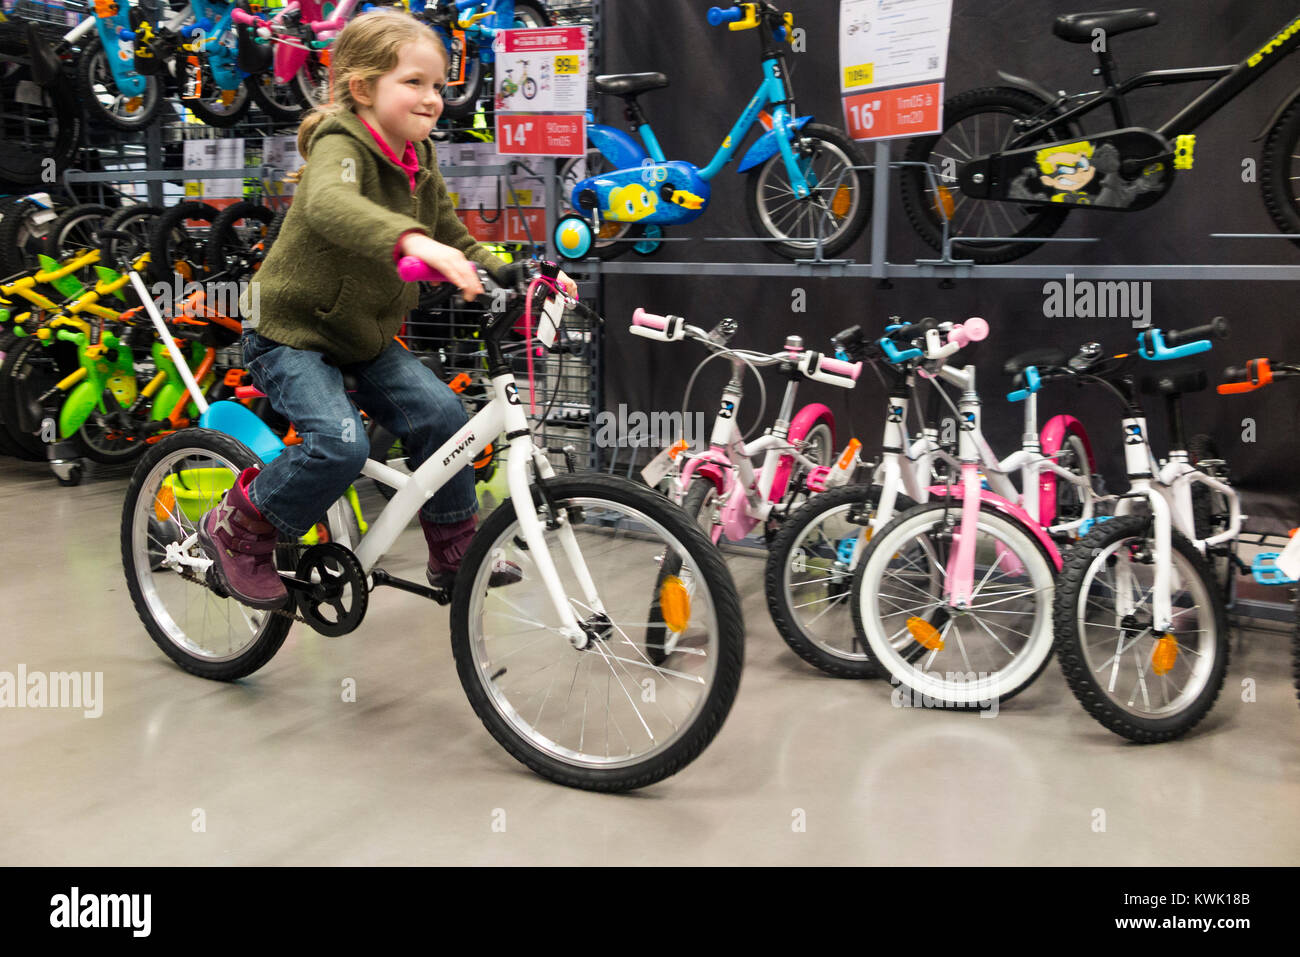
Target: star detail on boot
x=225, y=511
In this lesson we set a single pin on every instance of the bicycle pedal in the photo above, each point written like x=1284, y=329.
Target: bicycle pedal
x=1265, y=571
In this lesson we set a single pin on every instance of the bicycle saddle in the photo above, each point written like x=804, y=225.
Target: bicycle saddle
x=630, y=84
x=1034, y=357
x=1175, y=382
x=1078, y=27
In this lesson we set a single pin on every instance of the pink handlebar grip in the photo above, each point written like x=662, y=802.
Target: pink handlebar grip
x=840, y=367
x=412, y=269
x=974, y=329
x=649, y=319
x=244, y=18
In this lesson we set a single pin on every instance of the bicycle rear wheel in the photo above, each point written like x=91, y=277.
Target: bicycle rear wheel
x=968, y=658
x=172, y=487
x=605, y=718
x=809, y=575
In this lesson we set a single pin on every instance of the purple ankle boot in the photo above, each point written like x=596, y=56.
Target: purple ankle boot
x=241, y=545
x=447, y=547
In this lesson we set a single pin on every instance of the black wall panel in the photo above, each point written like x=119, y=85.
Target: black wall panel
x=713, y=71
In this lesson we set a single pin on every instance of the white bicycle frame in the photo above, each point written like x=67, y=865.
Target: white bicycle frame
x=504, y=412
x=726, y=436
x=1167, y=491
x=907, y=463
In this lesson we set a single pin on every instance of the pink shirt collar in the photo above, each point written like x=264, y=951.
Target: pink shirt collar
x=409, y=163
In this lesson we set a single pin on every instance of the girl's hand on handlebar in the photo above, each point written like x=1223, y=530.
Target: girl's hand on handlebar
x=447, y=260
x=568, y=285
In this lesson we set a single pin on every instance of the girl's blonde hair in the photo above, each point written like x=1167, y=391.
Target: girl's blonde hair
x=367, y=48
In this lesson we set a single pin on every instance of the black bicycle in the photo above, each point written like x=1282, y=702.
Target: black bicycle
x=1013, y=161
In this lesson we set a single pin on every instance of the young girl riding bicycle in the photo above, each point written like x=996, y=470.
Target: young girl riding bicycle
x=331, y=301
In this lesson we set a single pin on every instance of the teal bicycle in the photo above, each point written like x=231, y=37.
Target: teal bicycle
x=807, y=192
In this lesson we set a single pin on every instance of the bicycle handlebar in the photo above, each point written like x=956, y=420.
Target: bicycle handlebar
x=412, y=269
x=1156, y=345
x=246, y=19
x=814, y=365
x=720, y=15
x=1257, y=374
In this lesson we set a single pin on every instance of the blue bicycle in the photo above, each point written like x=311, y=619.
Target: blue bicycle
x=129, y=60
x=806, y=192
x=467, y=29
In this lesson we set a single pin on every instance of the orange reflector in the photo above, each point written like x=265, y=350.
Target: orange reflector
x=678, y=448
x=460, y=383
x=925, y=634
x=674, y=603
x=164, y=503
x=849, y=452
x=841, y=203
x=1291, y=534
x=133, y=103
x=1166, y=653
x=943, y=203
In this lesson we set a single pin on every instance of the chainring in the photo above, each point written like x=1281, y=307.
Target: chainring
x=331, y=592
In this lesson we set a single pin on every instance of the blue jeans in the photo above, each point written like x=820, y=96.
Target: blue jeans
x=296, y=488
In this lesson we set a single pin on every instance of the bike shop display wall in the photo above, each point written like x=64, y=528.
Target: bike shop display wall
x=711, y=70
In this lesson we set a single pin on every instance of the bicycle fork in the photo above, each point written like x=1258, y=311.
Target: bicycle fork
x=523, y=453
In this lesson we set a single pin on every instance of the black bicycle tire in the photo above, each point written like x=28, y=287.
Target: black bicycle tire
x=82, y=211
x=778, y=561
x=1068, y=643
x=7, y=445
x=26, y=168
x=730, y=635
x=237, y=454
x=1280, y=168
x=160, y=247
x=122, y=220
x=857, y=222
x=913, y=180
x=219, y=235
x=85, y=86
x=30, y=446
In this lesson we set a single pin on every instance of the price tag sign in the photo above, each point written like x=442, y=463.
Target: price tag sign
x=541, y=91
x=542, y=135
x=893, y=56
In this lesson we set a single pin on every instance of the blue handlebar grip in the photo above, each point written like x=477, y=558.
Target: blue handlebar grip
x=1159, y=352
x=125, y=34
x=895, y=354
x=720, y=15
x=1033, y=382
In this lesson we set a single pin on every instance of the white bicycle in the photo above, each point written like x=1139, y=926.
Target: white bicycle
x=1141, y=627
x=559, y=665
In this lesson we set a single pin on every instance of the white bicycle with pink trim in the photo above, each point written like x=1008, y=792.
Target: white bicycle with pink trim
x=814, y=558
x=953, y=598
x=720, y=485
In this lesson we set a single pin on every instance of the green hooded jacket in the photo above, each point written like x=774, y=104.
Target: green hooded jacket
x=329, y=283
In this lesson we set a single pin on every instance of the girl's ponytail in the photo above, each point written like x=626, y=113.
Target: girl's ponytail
x=306, y=130
x=367, y=48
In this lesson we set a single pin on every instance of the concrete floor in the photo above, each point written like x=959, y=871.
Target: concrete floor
x=279, y=770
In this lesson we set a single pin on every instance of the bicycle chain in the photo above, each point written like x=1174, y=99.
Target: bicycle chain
x=189, y=576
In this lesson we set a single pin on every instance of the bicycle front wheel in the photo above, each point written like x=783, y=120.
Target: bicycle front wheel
x=943, y=656
x=606, y=718
x=1143, y=685
x=836, y=209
